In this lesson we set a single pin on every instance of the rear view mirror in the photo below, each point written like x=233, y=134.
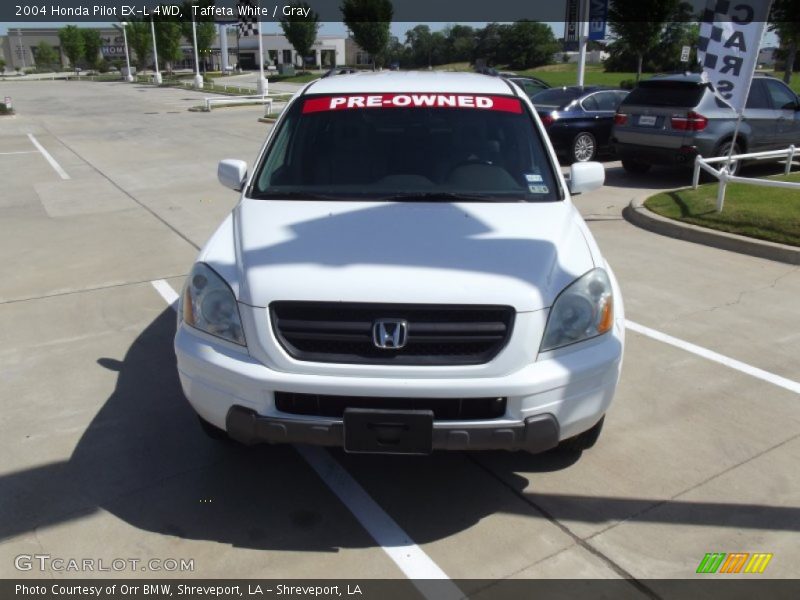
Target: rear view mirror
x=585, y=177
x=232, y=173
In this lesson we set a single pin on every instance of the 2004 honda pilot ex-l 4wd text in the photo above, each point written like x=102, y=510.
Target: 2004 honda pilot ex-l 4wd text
x=404, y=272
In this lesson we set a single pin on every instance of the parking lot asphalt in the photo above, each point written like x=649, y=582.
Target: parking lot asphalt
x=103, y=457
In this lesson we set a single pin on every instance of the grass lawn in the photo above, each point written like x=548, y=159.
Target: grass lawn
x=300, y=78
x=765, y=213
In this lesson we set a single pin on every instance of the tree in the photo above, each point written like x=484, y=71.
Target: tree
x=460, y=41
x=301, y=31
x=140, y=41
x=71, y=43
x=206, y=29
x=168, y=39
x=488, y=45
x=785, y=21
x=45, y=55
x=92, y=43
x=369, y=20
x=638, y=25
x=527, y=44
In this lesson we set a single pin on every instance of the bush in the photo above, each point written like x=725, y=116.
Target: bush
x=627, y=84
x=103, y=66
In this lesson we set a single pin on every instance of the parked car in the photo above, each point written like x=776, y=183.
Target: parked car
x=404, y=271
x=669, y=120
x=340, y=71
x=530, y=85
x=578, y=119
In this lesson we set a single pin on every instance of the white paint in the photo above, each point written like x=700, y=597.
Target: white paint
x=395, y=542
x=411, y=559
x=169, y=295
x=56, y=167
x=792, y=386
x=20, y=152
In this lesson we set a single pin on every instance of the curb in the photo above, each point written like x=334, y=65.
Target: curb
x=637, y=214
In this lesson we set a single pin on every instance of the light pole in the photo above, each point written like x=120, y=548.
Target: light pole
x=583, y=38
x=262, y=82
x=129, y=76
x=157, y=76
x=198, y=79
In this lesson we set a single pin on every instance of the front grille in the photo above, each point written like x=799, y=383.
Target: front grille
x=334, y=332
x=444, y=409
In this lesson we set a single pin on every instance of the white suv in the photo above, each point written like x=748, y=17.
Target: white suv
x=405, y=272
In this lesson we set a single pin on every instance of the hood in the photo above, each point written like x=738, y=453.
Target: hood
x=517, y=254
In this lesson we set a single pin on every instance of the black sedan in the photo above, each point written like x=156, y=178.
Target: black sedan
x=530, y=85
x=578, y=119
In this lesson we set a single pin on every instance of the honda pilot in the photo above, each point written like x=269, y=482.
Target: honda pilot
x=404, y=272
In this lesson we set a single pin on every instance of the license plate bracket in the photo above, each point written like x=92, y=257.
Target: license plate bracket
x=375, y=431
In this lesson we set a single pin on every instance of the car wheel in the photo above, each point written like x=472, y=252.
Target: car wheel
x=582, y=441
x=212, y=431
x=634, y=166
x=584, y=147
x=723, y=149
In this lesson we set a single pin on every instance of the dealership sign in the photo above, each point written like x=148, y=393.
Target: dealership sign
x=727, y=49
x=598, y=13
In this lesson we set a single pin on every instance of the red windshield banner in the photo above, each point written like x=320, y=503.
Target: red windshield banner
x=360, y=101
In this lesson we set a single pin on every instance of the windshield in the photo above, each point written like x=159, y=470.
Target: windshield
x=556, y=96
x=415, y=147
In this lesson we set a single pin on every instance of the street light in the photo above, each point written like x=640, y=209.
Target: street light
x=198, y=79
x=128, y=77
x=157, y=76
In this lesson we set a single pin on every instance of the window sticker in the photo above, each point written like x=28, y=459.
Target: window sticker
x=538, y=189
x=360, y=101
x=533, y=177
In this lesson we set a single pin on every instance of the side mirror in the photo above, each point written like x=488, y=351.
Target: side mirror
x=232, y=173
x=585, y=177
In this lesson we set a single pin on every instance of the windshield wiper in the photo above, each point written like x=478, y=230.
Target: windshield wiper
x=293, y=195
x=451, y=196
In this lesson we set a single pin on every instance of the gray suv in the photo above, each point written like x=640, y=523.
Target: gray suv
x=669, y=120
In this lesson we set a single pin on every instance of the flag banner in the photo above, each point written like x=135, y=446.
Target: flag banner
x=248, y=19
x=571, y=25
x=730, y=36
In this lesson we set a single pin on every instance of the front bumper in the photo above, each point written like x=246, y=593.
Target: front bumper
x=556, y=397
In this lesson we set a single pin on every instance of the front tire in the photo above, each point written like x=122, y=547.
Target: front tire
x=584, y=147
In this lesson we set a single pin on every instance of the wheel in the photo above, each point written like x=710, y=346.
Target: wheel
x=212, y=431
x=584, y=147
x=583, y=441
x=634, y=166
x=722, y=150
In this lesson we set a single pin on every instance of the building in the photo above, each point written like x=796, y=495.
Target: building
x=18, y=49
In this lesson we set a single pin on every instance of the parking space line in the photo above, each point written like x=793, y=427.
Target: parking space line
x=169, y=295
x=792, y=386
x=56, y=167
x=19, y=152
x=395, y=542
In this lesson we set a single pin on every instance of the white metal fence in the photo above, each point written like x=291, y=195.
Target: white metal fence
x=724, y=177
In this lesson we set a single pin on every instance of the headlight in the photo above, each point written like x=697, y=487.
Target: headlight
x=209, y=305
x=583, y=310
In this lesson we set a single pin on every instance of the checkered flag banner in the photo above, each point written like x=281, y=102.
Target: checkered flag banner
x=248, y=21
x=730, y=36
